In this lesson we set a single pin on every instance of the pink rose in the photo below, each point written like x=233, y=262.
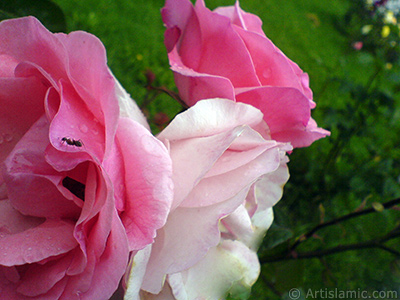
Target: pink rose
x=218, y=156
x=81, y=184
x=226, y=54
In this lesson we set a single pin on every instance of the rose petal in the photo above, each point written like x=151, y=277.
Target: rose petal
x=128, y=107
x=197, y=155
x=230, y=262
x=31, y=182
x=21, y=101
x=93, y=82
x=217, y=188
x=209, y=117
x=136, y=270
x=148, y=172
x=292, y=125
x=51, y=238
x=272, y=66
x=200, y=45
x=75, y=121
x=111, y=265
x=41, y=47
x=185, y=239
x=195, y=86
x=241, y=18
x=12, y=221
x=7, y=65
x=238, y=225
x=39, y=279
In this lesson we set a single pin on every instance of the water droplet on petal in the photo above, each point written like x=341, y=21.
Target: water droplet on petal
x=95, y=131
x=267, y=73
x=83, y=128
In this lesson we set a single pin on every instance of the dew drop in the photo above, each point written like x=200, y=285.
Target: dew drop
x=95, y=131
x=83, y=128
x=29, y=249
x=267, y=73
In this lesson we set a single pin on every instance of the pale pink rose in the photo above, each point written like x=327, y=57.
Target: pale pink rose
x=220, y=150
x=226, y=54
x=81, y=185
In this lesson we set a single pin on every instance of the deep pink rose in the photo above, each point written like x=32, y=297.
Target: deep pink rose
x=218, y=155
x=226, y=54
x=81, y=184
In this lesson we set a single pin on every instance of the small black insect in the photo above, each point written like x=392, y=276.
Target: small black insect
x=72, y=142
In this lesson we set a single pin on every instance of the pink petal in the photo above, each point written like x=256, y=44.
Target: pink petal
x=41, y=278
x=269, y=188
x=31, y=182
x=148, y=182
x=223, y=186
x=241, y=18
x=181, y=20
x=76, y=121
x=251, y=22
x=287, y=113
x=193, y=158
x=18, y=114
x=194, y=86
x=211, y=117
x=238, y=225
x=9, y=291
x=50, y=238
x=273, y=68
x=94, y=83
x=185, y=239
x=208, y=44
x=111, y=265
x=7, y=65
x=12, y=221
x=26, y=39
x=37, y=196
x=223, y=52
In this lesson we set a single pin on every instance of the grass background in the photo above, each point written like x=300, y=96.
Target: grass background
x=357, y=99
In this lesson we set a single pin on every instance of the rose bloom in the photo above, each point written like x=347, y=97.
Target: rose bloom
x=221, y=151
x=226, y=54
x=81, y=184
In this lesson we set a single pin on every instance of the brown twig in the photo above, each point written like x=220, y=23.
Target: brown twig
x=375, y=243
x=355, y=214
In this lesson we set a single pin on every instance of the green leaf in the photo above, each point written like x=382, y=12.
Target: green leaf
x=49, y=13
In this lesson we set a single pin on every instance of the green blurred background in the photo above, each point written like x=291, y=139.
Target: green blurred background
x=357, y=96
